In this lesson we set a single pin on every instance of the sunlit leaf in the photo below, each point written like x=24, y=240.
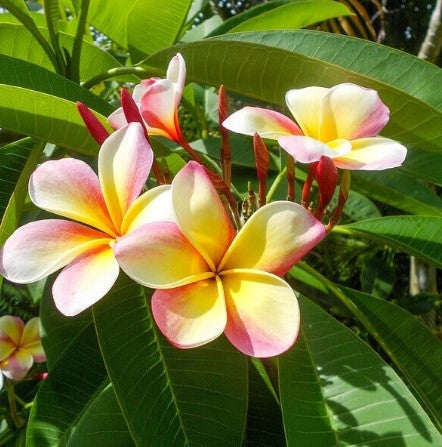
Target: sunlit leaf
x=264, y=65
x=151, y=28
x=335, y=390
x=420, y=236
x=282, y=14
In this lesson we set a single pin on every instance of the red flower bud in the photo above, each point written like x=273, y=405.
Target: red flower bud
x=93, y=124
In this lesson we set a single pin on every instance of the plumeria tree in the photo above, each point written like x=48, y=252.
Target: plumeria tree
x=180, y=200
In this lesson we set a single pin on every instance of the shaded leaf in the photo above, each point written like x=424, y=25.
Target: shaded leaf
x=169, y=396
x=416, y=352
x=336, y=391
x=77, y=376
x=417, y=235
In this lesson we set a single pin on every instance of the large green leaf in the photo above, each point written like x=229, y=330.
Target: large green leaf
x=76, y=404
x=30, y=76
x=102, y=424
x=371, y=60
x=335, y=390
x=169, y=397
x=399, y=190
x=13, y=158
x=18, y=42
x=424, y=165
x=151, y=28
x=250, y=60
x=282, y=14
x=17, y=162
x=44, y=117
x=111, y=21
x=409, y=343
x=264, y=418
x=420, y=236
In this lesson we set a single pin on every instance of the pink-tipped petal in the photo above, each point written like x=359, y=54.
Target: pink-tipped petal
x=85, y=280
x=31, y=340
x=40, y=248
x=373, y=154
x=309, y=150
x=158, y=255
x=117, y=119
x=176, y=73
x=201, y=214
x=70, y=188
x=351, y=112
x=158, y=109
x=192, y=315
x=276, y=237
x=262, y=313
x=267, y=123
x=154, y=205
x=124, y=163
x=18, y=365
x=141, y=88
x=306, y=106
x=11, y=329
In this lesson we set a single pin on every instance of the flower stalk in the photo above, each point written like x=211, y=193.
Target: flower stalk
x=291, y=194
x=226, y=155
x=262, y=167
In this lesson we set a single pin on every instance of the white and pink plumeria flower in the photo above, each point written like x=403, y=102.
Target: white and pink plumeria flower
x=106, y=209
x=341, y=123
x=211, y=279
x=158, y=100
x=20, y=347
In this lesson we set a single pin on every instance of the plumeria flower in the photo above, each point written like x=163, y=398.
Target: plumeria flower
x=158, y=101
x=106, y=209
x=20, y=346
x=341, y=123
x=211, y=280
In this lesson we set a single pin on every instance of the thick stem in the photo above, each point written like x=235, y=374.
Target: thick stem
x=276, y=184
x=432, y=44
x=78, y=42
x=291, y=178
x=121, y=71
x=18, y=421
x=305, y=200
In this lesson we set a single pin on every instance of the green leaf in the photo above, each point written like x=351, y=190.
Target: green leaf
x=417, y=235
x=18, y=42
x=13, y=158
x=111, y=21
x=416, y=352
x=377, y=276
x=264, y=418
x=102, y=424
x=17, y=162
x=255, y=58
x=151, y=28
x=169, y=397
x=335, y=390
x=424, y=165
x=76, y=379
x=44, y=117
x=399, y=190
x=29, y=154
x=29, y=76
x=282, y=14
x=357, y=207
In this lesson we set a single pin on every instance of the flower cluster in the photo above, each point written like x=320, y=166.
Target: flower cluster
x=210, y=276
